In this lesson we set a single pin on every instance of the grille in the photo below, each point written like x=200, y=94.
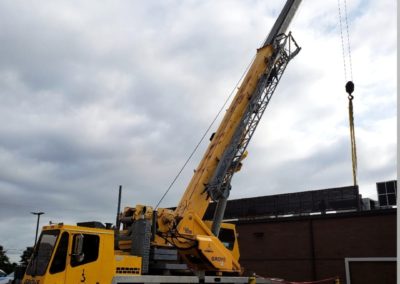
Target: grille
x=128, y=270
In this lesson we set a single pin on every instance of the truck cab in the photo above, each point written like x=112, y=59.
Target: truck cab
x=77, y=254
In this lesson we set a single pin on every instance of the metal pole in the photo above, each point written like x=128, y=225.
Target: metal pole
x=283, y=21
x=37, y=224
x=219, y=215
x=118, y=222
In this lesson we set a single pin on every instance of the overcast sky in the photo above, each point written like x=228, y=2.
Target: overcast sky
x=97, y=94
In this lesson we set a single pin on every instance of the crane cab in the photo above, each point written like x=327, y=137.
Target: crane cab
x=76, y=254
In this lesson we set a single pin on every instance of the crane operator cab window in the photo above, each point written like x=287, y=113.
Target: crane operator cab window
x=86, y=249
x=42, y=253
x=227, y=238
x=60, y=257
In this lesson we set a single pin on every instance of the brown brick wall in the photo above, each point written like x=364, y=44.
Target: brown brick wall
x=314, y=247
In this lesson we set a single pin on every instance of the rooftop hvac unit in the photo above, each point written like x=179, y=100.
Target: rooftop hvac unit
x=387, y=193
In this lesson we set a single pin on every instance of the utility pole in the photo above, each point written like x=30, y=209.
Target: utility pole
x=37, y=224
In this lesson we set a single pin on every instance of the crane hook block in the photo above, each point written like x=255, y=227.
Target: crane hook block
x=349, y=87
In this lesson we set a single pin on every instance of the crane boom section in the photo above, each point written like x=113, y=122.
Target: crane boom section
x=195, y=197
x=223, y=156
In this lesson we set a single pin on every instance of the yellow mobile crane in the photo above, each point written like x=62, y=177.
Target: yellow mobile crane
x=155, y=243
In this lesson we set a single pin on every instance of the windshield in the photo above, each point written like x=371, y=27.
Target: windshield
x=42, y=253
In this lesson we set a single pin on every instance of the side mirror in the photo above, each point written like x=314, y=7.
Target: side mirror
x=78, y=248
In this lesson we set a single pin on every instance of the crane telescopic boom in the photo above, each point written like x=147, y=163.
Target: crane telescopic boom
x=227, y=148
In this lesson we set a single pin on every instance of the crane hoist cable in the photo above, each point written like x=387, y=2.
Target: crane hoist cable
x=348, y=57
x=349, y=87
x=204, y=135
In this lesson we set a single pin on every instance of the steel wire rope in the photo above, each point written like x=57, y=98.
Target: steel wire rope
x=349, y=87
x=343, y=40
x=204, y=135
x=353, y=141
x=348, y=40
x=341, y=37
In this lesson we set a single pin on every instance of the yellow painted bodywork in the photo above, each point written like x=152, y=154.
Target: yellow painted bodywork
x=209, y=246
x=235, y=250
x=194, y=198
x=108, y=264
x=199, y=242
x=193, y=237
